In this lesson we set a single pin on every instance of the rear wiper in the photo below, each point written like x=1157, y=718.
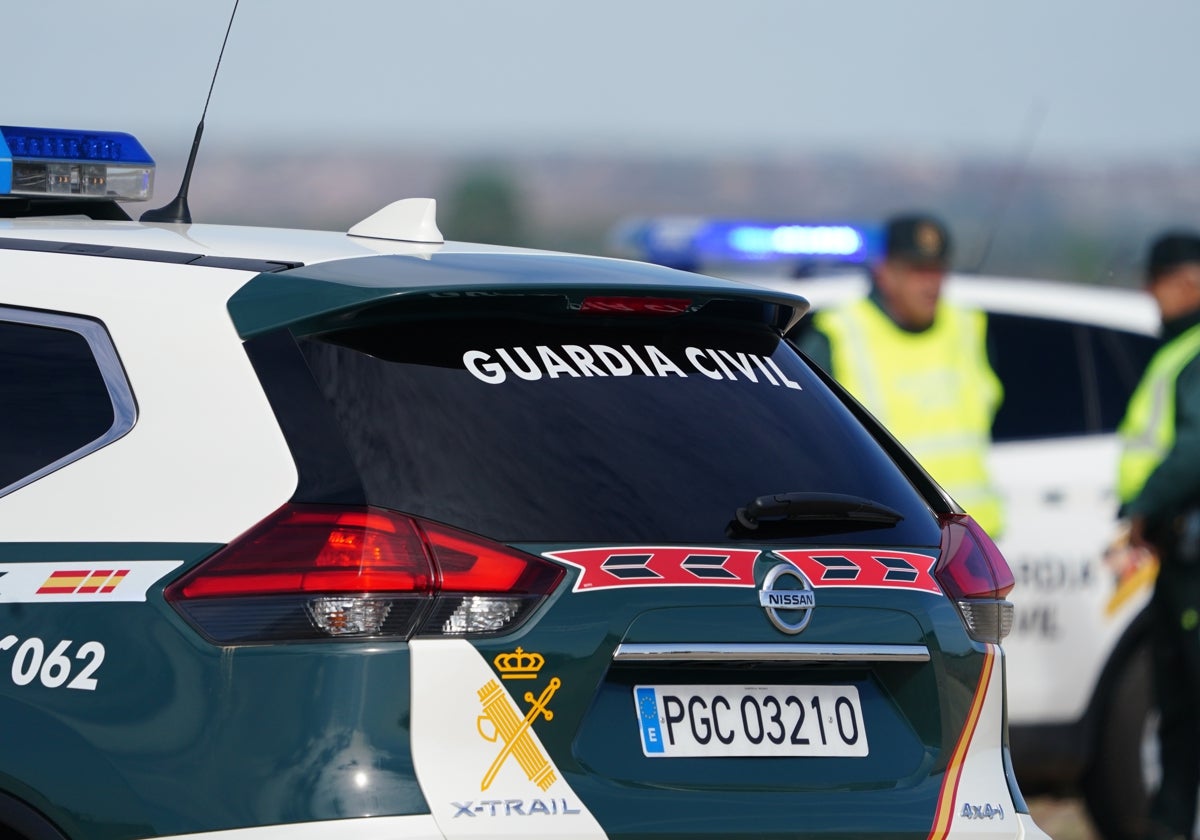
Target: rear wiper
x=815, y=507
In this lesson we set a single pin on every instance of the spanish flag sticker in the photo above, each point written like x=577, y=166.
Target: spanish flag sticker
x=82, y=581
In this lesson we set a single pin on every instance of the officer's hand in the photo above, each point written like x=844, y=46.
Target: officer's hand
x=1129, y=552
x=1137, y=535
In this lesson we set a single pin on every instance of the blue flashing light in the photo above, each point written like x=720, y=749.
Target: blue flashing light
x=690, y=242
x=54, y=162
x=60, y=144
x=798, y=240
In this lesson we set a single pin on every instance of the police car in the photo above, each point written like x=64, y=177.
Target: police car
x=1068, y=356
x=367, y=534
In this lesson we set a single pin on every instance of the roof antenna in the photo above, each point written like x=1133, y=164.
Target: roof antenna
x=177, y=211
x=1033, y=124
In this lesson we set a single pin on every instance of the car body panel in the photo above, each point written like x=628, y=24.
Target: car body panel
x=1071, y=611
x=158, y=316
x=196, y=705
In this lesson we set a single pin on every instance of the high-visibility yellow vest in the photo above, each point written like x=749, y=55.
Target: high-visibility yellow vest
x=1148, y=428
x=934, y=390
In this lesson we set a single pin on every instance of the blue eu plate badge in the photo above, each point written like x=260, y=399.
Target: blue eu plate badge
x=647, y=706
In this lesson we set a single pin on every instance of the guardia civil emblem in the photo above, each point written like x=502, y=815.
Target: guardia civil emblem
x=503, y=721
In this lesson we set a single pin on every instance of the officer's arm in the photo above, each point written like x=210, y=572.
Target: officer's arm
x=1174, y=486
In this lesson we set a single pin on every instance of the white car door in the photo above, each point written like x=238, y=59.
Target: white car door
x=1054, y=460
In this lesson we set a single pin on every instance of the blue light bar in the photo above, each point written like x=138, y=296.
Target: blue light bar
x=692, y=242
x=55, y=162
x=759, y=241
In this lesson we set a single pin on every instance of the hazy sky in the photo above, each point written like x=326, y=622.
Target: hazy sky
x=1082, y=79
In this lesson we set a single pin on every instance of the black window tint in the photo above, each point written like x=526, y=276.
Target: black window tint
x=54, y=396
x=638, y=456
x=1038, y=362
x=1120, y=358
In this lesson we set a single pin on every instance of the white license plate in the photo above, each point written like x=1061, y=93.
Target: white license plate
x=704, y=721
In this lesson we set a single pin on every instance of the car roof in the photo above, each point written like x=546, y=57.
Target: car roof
x=305, y=275
x=1109, y=306
x=283, y=245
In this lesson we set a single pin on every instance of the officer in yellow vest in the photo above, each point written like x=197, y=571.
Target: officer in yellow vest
x=919, y=364
x=1159, y=486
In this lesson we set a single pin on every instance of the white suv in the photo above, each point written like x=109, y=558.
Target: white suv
x=368, y=534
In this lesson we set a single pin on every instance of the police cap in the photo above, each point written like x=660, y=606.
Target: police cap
x=1171, y=250
x=917, y=238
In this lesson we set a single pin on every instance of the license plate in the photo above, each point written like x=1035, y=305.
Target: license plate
x=705, y=721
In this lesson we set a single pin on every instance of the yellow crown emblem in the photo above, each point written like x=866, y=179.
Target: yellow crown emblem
x=519, y=664
x=929, y=239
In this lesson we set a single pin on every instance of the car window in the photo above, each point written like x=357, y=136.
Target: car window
x=1120, y=358
x=1039, y=362
x=63, y=392
x=559, y=430
x=1061, y=377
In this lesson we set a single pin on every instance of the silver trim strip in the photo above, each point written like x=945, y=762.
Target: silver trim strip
x=794, y=652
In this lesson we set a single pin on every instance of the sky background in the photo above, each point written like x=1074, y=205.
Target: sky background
x=1074, y=80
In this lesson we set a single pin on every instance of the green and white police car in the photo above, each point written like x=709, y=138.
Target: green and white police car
x=371, y=535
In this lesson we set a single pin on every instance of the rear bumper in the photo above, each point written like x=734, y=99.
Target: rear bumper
x=423, y=827
x=975, y=797
x=974, y=802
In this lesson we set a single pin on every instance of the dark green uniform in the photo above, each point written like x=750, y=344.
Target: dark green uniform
x=1170, y=503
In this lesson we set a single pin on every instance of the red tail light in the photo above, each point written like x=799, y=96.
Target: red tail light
x=309, y=572
x=620, y=305
x=467, y=564
x=975, y=574
x=301, y=550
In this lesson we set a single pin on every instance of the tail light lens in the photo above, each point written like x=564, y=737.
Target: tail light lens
x=618, y=305
x=310, y=572
x=974, y=573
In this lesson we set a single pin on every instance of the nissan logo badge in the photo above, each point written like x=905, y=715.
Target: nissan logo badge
x=786, y=592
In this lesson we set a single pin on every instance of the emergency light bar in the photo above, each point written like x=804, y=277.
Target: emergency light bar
x=760, y=241
x=689, y=242
x=52, y=162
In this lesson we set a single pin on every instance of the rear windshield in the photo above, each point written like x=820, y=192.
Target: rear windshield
x=575, y=431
